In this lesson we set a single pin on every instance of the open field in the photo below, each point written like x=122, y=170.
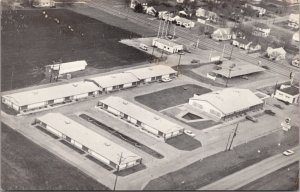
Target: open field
x=217, y=166
x=27, y=166
x=170, y=97
x=284, y=179
x=31, y=40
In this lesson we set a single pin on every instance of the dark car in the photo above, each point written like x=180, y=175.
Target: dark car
x=265, y=67
x=218, y=62
x=270, y=112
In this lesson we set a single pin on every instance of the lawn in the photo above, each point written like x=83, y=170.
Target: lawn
x=170, y=97
x=27, y=166
x=215, y=167
x=284, y=179
x=32, y=39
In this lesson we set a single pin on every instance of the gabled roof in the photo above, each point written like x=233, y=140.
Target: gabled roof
x=278, y=50
x=114, y=79
x=238, y=70
x=94, y=141
x=153, y=71
x=243, y=41
x=230, y=100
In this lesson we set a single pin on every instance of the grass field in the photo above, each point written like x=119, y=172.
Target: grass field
x=284, y=179
x=31, y=40
x=170, y=97
x=217, y=166
x=27, y=166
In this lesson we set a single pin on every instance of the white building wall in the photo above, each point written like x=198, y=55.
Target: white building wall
x=36, y=105
x=205, y=107
x=81, y=96
x=114, y=111
x=127, y=85
x=284, y=97
x=60, y=100
x=150, y=129
x=99, y=157
x=53, y=131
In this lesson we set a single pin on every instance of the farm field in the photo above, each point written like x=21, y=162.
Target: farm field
x=27, y=166
x=32, y=39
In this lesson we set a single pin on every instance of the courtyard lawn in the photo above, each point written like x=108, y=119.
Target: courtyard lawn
x=170, y=97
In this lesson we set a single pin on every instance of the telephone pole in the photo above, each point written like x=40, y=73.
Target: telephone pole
x=118, y=168
x=234, y=135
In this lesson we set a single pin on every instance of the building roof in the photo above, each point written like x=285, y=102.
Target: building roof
x=183, y=20
x=88, y=138
x=114, y=79
x=166, y=42
x=51, y=93
x=291, y=90
x=66, y=66
x=238, y=70
x=278, y=50
x=243, y=41
x=230, y=100
x=141, y=114
x=222, y=31
x=153, y=71
x=296, y=36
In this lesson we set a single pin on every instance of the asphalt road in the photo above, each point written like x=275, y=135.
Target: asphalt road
x=186, y=34
x=254, y=172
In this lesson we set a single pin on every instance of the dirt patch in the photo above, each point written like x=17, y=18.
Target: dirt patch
x=184, y=142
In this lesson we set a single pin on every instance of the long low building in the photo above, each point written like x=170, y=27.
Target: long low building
x=44, y=97
x=138, y=116
x=153, y=73
x=167, y=45
x=238, y=70
x=89, y=141
x=227, y=104
x=115, y=82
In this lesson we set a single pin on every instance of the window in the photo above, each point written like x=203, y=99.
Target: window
x=115, y=87
x=68, y=139
x=152, y=78
x=50, y=102
x=90, y=93
x=105, y=106
x=121, y=86
x=138, y=123
x=85, y=148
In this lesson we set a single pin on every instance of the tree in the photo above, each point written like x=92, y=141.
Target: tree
x=138, y=8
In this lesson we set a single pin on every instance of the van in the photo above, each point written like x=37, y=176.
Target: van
x=144, y=47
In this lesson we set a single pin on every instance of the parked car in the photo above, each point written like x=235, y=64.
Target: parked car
x=270, y=112
x=143, y=47
x=166, y=79
x=250, y=118
x=288, y=152
x=278, y=106
x=265, y=67
x=195, y=61
x=219, y=62
x=189, y=133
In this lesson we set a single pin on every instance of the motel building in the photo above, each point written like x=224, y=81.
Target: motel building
x=115, y=82
x=289, y=94
x=42, y=98
x=63, y=68
x=227, y=104
x=138, y=116
x=87, y=140
x=153, y=73
x=166, y=45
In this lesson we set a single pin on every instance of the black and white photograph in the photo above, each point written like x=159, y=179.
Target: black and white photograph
x=150, y=95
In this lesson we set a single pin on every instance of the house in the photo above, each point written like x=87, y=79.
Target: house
x=294, y=21
x=140, y=117
x=261, y=30
x=63, y=68
x=289, y=94
x=153, y=73
x=89, y=141
x=159, y=10
x=296, y=61
x=209, y=15
x=242, y=43
x=184, y=22
x=222, y=34
x=276, y=54
x=254, y=46
x=114, y=82
x=144, y=3
x=42, y=98
x=296, y=36
x=261, y=11
x=43, y=3
x=202, y=20
x=227, y=104
x=167, y=45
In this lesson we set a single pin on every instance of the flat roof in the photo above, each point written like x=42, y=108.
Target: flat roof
x=230, y=100
x=88, y=138
x=238, y=70
x=63, y=66
x=153, y=71
x=114, y=79
x=141, y=114
x=292, y=90
x=166, y=42
x=51, y=93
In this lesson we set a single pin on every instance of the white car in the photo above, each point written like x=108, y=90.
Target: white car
x=166, y=79
x=189, y=133
x=288, y=152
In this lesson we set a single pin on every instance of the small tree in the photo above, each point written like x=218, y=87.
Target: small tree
x=138, y=8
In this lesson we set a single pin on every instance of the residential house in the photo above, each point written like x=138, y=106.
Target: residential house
x=184, y=22
x=296, y=61
x=159, y=10
x=276, y=54
x=294, y=21
x=202, y=20
x=211, y=16
x=222, y=34
x=242, y=43
x=296, y=36
x=289, y=94
x=167, y=45
x=261, y=30
x=43, y=3
x=144, y=3
x=261, y=11
x=254, y=46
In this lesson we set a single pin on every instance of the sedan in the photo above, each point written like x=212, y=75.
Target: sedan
x=288, y=153
x=166, y=79
x=189, y=133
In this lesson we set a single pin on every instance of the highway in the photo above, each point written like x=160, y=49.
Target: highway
x=254, y=172
x=186, y=34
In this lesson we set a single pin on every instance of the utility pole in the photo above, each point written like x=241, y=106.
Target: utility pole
x=159, y=28
x=210, y=54
x=178, y=64
x=223, y=51
x=231, y=52
x=11, y=79
x=174, y=33
x=234, y=135
x=163, y=29
x=229, y=70
x=118, y=168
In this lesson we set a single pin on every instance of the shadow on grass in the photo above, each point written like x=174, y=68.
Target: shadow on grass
x=72, y=147
x=99, y=163
x=47, y=132
x=184, y=142
x=130, y=170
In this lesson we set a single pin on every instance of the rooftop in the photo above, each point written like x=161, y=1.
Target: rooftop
x=238, y=70
x=73, y=64
x=153, y=71
x=88, y=138
x=141, y=114
x=230, y=100
x=114, y=79
x=292, y=90
x=51, y=93
x=166, y=42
